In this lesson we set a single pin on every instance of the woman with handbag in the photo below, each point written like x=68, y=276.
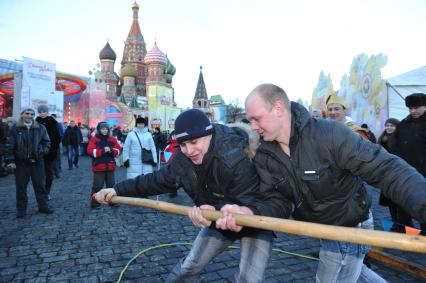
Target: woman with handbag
x=139, y=152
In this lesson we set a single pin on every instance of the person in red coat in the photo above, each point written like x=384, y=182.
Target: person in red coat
x=103, y=148
x=171, y=148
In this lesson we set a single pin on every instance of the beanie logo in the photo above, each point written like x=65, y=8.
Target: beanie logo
x=194, y=132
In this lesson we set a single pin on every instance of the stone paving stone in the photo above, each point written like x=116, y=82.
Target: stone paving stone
x=36, y=280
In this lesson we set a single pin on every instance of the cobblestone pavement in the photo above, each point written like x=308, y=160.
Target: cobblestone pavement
x=77, y=244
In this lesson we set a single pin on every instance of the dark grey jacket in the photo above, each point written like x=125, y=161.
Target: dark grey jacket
x=227, y=175
x=410, y=142
x=323, y=181
x=23, y=143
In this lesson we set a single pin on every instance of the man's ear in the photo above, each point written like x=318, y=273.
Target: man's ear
x=279, y=108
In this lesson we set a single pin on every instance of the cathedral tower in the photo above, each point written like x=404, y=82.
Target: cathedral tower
x=135, y=51
x=155, y=61
x=107, y=57
x=201, y=101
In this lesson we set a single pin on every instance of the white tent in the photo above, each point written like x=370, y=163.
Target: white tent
x=402, y=85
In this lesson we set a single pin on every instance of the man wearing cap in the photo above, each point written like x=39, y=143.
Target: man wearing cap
x=336, y=109
x=55, y=139
x=27, y=144
x=213, y=169
x=410, y=143
x=318, y=169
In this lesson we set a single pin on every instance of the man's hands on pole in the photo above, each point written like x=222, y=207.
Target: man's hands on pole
x=194, y=213
x=104, y=196
x=227, y=222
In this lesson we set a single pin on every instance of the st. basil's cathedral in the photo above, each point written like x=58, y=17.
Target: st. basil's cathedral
x=143, y=88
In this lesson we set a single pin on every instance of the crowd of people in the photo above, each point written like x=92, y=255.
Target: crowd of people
x=30, y=148
x=285, y=162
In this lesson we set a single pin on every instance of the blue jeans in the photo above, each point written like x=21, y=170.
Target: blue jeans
x=343, y=262
x=72, y=156
x=255, y=253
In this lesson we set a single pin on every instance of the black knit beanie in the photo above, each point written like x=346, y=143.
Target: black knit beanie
x=192, y=124
x=415, y=100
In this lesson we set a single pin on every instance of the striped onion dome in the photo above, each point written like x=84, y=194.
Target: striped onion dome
x=155, y=56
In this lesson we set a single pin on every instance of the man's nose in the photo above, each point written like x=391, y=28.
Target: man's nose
x=254, y=126
x=189, y=149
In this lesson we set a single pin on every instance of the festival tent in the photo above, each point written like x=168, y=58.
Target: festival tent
x=402, y=85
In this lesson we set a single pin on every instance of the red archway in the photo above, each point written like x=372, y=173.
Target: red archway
x=69, y=84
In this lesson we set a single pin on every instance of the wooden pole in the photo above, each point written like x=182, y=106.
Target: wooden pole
x=382, y=239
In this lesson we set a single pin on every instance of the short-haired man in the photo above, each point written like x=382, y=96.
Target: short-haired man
x=410, y=144
x=213, y=169
x=27, y=144
x=319, y=166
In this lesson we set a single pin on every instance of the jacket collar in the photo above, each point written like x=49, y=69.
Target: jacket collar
x=420, y=119
x=21, y=124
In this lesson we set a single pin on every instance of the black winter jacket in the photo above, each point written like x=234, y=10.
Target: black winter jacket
x=226, y=176
x=410, y=142
x=72, y=136
x=322, y=182
x=51, y=126
x=23, y=144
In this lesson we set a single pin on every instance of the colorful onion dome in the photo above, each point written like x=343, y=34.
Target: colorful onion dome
x=170, y=69
x=128, y=71
x=107, y=53
x=135, y=5
x=155, y=56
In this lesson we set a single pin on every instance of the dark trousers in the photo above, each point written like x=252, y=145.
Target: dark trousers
x=101, y=178
x=72, y=155
x=57, y=163
x=84, y=149
x=48, y=172
x=23, y=173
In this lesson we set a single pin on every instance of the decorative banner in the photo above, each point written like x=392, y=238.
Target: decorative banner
x=363, y=89
x=39, y=74
x=38, y=87
x=412, y=231
x=389, y=224
x=167, y=155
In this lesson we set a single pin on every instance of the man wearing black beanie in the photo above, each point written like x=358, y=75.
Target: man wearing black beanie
x=215, y=170
x=410, y=143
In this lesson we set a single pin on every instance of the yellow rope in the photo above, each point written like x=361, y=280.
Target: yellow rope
x=190, y=244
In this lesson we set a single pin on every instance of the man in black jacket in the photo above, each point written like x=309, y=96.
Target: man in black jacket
x=27, y=144
x=410, y=144
x=317, y=169
x=214, y=170
x=55, y=139
x=72, y=140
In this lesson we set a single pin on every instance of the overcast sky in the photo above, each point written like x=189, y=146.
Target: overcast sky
x=240, y=44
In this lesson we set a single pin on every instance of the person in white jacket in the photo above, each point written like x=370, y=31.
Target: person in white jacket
x=137, y=139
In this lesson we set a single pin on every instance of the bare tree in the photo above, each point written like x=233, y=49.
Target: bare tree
x=235, y=111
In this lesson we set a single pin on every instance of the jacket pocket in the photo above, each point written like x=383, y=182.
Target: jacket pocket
x=317, y=180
